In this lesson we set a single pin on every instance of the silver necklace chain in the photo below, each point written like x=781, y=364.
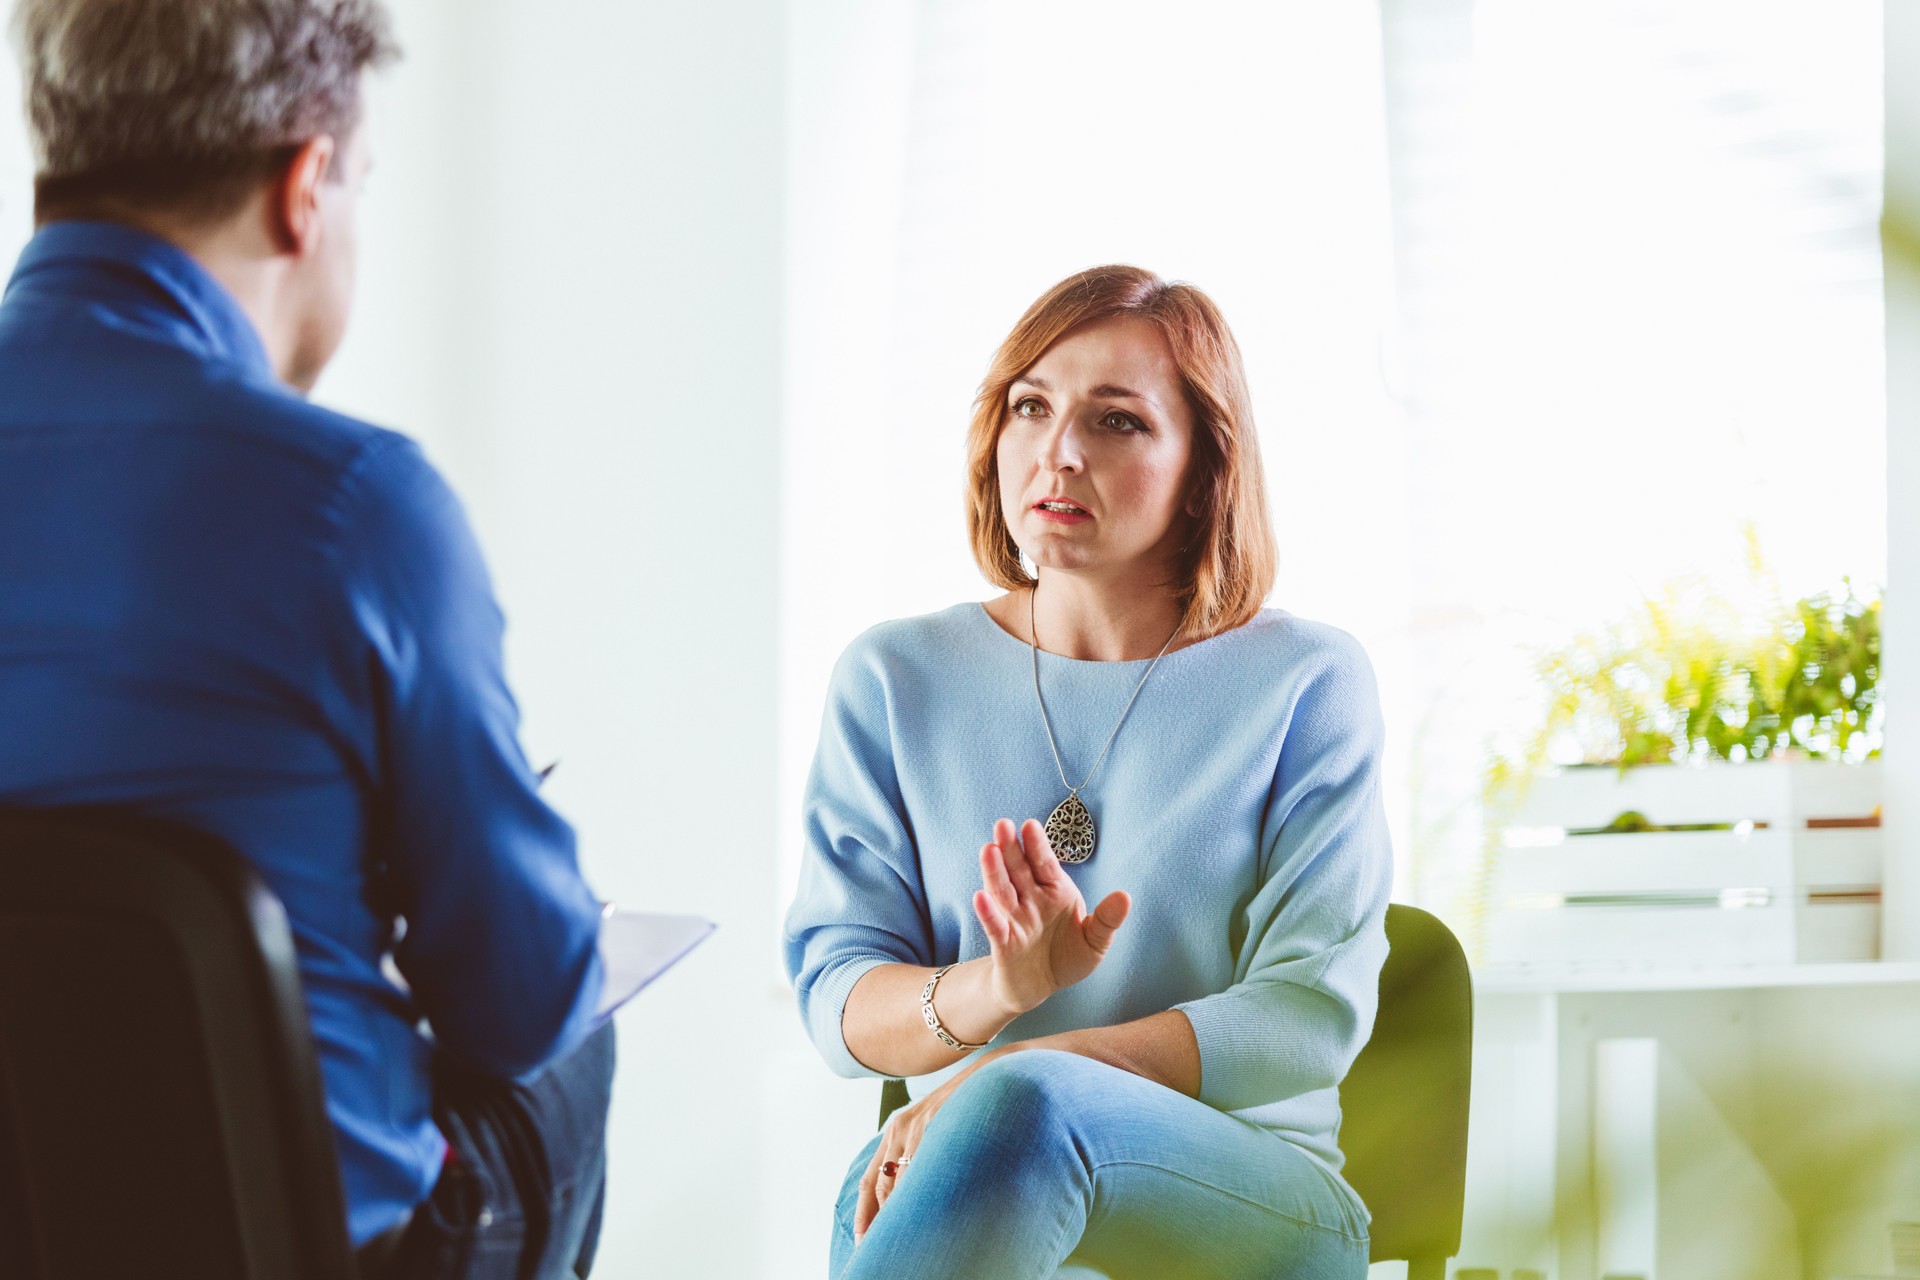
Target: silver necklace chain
x=1033, y=643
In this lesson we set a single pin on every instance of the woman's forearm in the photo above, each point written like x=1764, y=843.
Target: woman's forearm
x=1160, y=1047
x=884, y=1029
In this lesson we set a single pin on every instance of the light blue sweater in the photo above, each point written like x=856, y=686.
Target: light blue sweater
x=1240, y=807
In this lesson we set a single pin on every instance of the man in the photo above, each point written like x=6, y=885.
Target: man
x=222, y=605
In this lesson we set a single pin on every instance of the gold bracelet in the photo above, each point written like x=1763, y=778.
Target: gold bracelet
x=947, y=1037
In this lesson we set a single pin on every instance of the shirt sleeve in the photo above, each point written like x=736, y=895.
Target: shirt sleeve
x=1307, y=974
x=861, y=902
x=501, y=935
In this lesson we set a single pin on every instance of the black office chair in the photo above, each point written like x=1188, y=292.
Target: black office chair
x=1404, y=1103
x=160, y=1105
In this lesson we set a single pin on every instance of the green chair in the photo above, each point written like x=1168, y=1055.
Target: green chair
x=1404, y=1103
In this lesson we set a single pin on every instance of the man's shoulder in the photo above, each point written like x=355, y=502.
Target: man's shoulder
x=116, y=391
x=266, y=418
x=319, y=464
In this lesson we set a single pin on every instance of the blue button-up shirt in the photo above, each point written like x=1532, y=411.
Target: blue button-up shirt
x=223, y=605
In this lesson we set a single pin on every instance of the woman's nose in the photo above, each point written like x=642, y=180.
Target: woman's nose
x=1061, y=449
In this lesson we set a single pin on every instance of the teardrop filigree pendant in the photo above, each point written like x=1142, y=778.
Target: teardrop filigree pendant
x=1070, y=830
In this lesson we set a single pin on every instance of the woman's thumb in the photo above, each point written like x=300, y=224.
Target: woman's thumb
x=1107, y=919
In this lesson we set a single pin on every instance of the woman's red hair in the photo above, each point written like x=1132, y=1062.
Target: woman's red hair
x=1227, y=561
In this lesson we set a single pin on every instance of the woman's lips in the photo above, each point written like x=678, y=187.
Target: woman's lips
x=1074, y=516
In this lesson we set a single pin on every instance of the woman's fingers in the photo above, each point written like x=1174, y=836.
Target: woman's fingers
x=1040, y=856
x=869, y=1199
x=894, y=1151
x=884, y=1184
x=1017, y=860
x=992, y=919
x=1106, y=920
x=993, y=878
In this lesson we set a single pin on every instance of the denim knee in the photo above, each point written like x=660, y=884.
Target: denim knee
x=1021, y=1107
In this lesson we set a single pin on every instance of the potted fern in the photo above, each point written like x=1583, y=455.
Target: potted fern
x=1717, y=796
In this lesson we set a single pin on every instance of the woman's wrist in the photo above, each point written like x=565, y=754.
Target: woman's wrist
x=968, y=1005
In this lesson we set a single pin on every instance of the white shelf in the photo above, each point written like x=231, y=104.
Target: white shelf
x=1549, y=980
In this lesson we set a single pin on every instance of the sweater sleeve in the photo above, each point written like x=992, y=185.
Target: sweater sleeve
x=1307, y=973
x=861, y=902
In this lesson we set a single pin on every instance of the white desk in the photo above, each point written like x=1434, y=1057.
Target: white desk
x=1815, y=1070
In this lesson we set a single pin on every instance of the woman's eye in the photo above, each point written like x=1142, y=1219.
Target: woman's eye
x=1028, y=408
x=1118, y=421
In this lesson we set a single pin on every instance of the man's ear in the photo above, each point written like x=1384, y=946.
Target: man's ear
x=294, y=200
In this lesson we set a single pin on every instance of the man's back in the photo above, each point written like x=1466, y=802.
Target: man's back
x=223, y=605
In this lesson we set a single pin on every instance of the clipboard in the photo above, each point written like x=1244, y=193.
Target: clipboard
x=638, y=946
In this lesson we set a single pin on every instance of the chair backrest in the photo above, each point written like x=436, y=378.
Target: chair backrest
x=1404, y=1103
x=160, y=1105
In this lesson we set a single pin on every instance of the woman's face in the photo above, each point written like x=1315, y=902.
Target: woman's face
x=1095, y=449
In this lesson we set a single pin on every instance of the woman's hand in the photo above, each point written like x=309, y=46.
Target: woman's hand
x=1041, y=939
x=1160, y=1047
x=899, y=1140
x=1038, y=929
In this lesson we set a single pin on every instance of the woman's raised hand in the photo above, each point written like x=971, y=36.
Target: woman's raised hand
x=1040, y=932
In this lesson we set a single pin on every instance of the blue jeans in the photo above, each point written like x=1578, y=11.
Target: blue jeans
x=525, y=1182
x=1042, y=1159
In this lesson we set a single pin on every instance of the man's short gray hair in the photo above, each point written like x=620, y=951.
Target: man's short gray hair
x=197, y=85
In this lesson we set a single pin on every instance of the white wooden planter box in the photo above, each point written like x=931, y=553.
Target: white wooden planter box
x=1773, y=891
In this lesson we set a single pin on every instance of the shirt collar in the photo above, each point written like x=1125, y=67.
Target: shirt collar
x=137, y=274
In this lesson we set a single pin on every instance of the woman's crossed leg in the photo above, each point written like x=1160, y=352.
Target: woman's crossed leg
x=1043, y=1158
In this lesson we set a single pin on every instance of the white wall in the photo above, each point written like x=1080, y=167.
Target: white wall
x=16, y=166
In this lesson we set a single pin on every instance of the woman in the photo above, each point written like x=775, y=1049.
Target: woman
x=1149, y=1089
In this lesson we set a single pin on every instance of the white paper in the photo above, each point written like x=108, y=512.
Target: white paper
x=638, y=946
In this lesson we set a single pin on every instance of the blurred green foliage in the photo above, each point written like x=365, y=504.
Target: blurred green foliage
x=1689, y=677
x=1693, y=675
